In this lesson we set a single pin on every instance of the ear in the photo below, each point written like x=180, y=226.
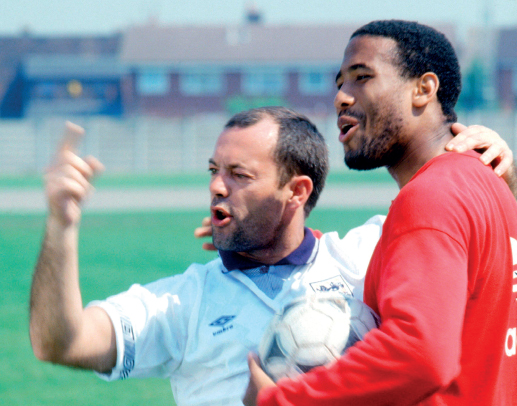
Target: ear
x=425, y=89
x=301, y=188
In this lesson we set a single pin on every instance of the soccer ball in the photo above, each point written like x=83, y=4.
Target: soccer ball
x=313, y=331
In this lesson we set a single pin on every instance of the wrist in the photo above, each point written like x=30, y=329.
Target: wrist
x=58, y=225
x=66, y=213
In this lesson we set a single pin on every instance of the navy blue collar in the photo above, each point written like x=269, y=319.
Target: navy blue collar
x=232, y=260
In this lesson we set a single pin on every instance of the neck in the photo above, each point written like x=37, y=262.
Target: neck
x=422, y=147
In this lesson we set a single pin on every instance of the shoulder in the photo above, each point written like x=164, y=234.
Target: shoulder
x=358, y=242
x=370, y=230
x=193, y=276
x=161, y=295
x=449, y=171
x=449, y=190
x=443, y=180
x=351, y=254
x=186, y=284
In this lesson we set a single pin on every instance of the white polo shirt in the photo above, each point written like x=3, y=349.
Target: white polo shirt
x=197, y=328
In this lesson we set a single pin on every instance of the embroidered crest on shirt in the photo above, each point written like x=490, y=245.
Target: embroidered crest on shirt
x=334, y=284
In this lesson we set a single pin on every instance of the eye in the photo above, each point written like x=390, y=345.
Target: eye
x=363, y=77
x=212, y=171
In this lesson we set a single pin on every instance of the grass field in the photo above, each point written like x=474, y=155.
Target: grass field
x=116, y=250
x=196, y=179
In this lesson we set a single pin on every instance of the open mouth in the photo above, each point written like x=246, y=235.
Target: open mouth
x=346, y=125
x=345, y=128
x=220, y=216
x=347, y=131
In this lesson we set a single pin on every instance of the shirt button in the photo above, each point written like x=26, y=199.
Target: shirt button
x=264, y=269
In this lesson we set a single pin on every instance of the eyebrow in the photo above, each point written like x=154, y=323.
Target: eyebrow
x=352, y=68
x=358, y=66
x=232, y=166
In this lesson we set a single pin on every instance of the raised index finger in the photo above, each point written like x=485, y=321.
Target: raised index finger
x=72, y=137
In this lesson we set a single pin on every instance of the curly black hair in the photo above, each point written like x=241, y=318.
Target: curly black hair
x=422, y=49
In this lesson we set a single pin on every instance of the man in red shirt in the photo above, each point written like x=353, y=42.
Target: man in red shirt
x=443, y=277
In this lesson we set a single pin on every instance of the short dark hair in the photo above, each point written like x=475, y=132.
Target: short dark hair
x=422, y=49
x=300, y=149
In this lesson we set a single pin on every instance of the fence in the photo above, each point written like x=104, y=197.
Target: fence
x=155, y=145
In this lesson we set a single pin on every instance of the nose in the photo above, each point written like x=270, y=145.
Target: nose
x=218, y=186
x=343, y=99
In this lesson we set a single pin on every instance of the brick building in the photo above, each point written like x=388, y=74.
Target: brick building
x=172, y=71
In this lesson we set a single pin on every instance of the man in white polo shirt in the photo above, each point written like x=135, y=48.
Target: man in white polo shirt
x=196, y=329
x=267, y=171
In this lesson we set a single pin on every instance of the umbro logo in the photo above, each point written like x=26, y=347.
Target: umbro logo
x=221, y=321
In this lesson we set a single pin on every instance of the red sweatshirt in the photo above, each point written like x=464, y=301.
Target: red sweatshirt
x=444, y=282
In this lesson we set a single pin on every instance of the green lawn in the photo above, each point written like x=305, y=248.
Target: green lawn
x=199, y=179
x=116, y=250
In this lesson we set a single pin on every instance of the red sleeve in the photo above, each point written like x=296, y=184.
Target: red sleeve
x=421, y=298
x=317, y=233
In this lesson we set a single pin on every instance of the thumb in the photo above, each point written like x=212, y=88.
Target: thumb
x=253, y=364
x=257, y=374
x=250, y=397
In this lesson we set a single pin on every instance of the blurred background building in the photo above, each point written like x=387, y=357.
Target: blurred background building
x=505, y=74
x=154, y=97
x=174, y=71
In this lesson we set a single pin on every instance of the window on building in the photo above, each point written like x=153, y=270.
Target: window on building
x=153, y=82
x=264, y=82
x=314, y=82
x=45, y=90
x=201, y=83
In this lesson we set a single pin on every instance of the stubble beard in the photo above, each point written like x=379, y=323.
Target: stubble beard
x=383, y=149
x=256, y=233
x=238, y=241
